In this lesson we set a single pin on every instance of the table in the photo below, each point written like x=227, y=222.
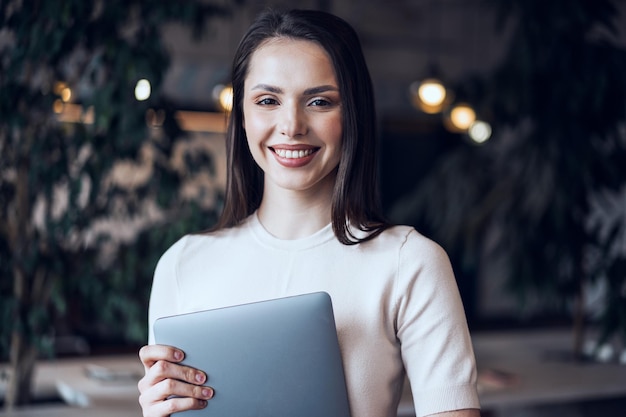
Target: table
x=542, y=372
x=106, y=386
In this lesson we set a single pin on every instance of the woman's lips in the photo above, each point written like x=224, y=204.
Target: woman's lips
x=294, y=156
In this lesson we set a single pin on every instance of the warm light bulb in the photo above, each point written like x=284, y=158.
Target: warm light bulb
x=143, y=90
x=431, y=92
x=66, y=94
x=462, y=116
x=58, y=106
x=226, y=98
x=58, y=87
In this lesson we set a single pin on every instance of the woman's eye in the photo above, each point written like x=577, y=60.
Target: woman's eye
x=267, y=101
x=319, y=102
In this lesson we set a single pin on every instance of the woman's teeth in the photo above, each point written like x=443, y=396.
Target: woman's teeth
x=284, y=153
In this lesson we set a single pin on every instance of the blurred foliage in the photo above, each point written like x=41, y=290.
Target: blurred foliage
x=519, y=205
x=58, y=185
x=110, y=305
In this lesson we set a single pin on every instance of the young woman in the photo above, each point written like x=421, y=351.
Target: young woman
x=302, y=215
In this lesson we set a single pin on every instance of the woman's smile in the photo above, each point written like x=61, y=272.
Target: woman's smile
x=294, y=156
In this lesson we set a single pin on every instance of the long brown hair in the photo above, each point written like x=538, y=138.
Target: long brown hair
x=355, y=200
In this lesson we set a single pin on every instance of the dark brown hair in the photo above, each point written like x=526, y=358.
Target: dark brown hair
x=355, y=200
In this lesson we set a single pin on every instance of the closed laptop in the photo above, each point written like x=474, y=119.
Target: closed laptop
x=275, y=358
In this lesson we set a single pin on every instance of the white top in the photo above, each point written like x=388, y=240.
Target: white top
x=395, y=301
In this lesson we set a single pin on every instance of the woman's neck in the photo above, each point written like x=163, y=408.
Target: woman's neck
x=290, y=215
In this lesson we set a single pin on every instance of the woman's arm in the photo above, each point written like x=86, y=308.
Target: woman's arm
x=432, y=328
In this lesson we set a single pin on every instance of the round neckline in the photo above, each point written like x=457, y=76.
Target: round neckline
x=322, y=236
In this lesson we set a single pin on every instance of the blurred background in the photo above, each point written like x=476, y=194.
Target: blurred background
x=502, y=137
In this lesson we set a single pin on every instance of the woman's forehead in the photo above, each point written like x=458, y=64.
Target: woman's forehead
x=282, y=43
x=287, y=60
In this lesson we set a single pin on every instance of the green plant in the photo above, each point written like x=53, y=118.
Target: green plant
x=520, y=203
x=58, y=180
x=607, y=262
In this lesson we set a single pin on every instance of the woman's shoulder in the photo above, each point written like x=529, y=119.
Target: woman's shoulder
x=411, y=243
x=408, y=235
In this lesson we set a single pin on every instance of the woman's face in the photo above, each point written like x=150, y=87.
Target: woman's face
x=292, y=115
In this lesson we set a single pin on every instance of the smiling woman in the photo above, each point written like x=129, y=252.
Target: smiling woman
x=302, y=215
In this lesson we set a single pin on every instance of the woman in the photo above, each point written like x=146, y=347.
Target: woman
x=301, y=215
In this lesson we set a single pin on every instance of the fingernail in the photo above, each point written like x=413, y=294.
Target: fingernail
x=203, y=403
x=178, y=355
x=207, y=393
x=200, y=377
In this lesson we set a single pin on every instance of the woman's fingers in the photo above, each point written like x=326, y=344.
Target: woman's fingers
x=173, y=405
x=150, y=354
x=170, y=396
x=167, y=386
x=169, y=389
x=162, y=370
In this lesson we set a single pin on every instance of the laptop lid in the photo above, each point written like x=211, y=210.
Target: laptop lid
x=267, y=359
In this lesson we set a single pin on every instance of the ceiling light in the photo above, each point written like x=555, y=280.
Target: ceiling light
x=429, y=95
x=479, y=132
x=462, y=116
x=432, y=92
x=143, y=90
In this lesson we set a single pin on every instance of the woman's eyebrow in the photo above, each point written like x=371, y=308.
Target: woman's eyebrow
x=267, y=87
x=308, y=92
x=321, y=89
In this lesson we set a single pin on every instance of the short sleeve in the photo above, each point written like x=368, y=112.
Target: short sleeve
x=432, y=329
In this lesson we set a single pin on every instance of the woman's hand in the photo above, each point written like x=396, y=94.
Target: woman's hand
x=168, y=387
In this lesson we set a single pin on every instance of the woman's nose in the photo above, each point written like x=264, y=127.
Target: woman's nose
x=292, y=121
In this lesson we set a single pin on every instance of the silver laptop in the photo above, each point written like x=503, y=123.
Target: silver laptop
x=276, y=358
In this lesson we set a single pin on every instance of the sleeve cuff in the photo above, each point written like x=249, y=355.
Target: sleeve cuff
x=445, y=399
